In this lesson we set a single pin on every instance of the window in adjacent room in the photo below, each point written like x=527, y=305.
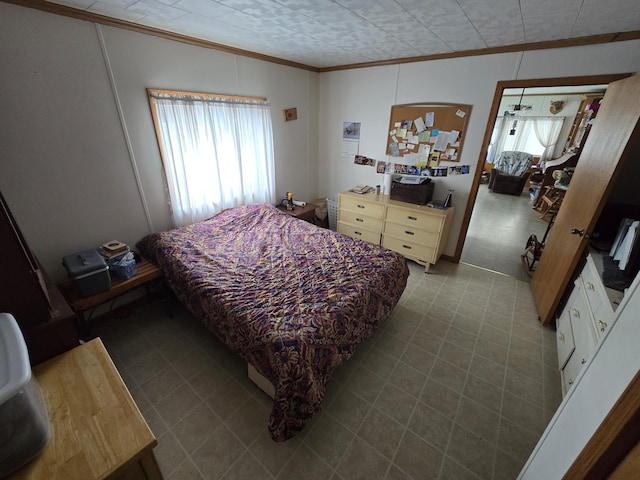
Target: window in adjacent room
x=217, y=151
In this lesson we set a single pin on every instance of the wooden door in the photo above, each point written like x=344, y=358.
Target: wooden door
x=613, y=136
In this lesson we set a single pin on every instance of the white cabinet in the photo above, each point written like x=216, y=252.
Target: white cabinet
x=360, y=216
x=582, y=323
x=418, y=232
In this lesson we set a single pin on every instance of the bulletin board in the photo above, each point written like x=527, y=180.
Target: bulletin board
x=436, y=128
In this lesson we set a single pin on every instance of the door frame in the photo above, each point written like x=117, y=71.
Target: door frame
x=493, y=115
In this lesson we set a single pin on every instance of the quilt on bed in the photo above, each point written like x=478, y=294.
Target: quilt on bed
x=292, y=298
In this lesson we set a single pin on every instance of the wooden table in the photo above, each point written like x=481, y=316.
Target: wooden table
x=97, y=431
x=147, y=272
x=307, y=213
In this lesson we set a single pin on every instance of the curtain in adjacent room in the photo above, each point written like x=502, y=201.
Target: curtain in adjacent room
x=535, y=135
x=217, y=152
x=547, y=131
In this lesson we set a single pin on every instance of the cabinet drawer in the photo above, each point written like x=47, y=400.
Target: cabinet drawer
x=603, y=318
x=583, y=334
x=374, y=210
x=410, y=249
x=362, y=234
x=564, y=336
x=415, y=218
x=360, y=220
x=571, y=370
x=411, y=234
x=595, y=292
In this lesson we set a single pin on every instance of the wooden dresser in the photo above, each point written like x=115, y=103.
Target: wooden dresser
x=45, y=318
x=97, y=431
x=418, y=232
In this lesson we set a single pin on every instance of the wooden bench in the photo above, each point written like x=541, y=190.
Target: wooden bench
x=147, y=272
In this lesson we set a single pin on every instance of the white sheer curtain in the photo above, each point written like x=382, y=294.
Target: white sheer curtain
x=547, y=130
x=534, y=135
x=217, y=153
x=506, y=141
x=492, y=149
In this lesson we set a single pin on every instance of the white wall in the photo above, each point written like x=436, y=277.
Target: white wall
x=367, y=94
x=72, y=158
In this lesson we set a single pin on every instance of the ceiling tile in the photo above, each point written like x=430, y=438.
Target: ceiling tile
x=324, y=33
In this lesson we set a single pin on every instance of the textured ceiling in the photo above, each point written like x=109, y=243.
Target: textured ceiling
x=330, y=33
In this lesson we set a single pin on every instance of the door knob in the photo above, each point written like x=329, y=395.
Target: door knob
x=575, y=231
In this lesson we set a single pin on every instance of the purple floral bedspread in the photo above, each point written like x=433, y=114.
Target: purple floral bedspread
x=292, y=298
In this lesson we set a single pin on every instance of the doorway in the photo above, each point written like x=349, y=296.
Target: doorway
x=489, y=207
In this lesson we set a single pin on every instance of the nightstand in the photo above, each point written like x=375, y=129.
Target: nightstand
x=306, y=213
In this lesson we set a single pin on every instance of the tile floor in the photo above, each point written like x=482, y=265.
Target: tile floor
x=458, y=384
x=498, y=231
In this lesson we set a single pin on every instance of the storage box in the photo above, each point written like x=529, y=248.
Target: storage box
x=89, y=272
x=24, y=422
x=124, y=267
x=419, y=193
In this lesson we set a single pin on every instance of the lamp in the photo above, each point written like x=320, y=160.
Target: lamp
x=513, y=128
x=516, y=109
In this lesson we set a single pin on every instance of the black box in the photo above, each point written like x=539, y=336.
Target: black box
x=418, y=193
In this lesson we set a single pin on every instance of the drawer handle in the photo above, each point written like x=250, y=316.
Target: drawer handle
x=561, y=336
x=408, y=232
x=412, y=218
x=583, y=361
x=361, y=206
x=357, y=233
x=408, y=247
x=603, y=325
x=576, y=313
x=590, y=286
x=359, y=220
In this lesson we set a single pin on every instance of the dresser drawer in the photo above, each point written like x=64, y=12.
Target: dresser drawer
x=361, y=233
x=564, y=334
x=595, y=292
x=583, y=334
x=360, y=220
x=411, y=234
x=410, y=249
x=415, y=218
x=374, y=210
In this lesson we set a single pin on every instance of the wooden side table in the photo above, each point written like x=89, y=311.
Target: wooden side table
x=147, y=272
x=97, y=431
x=306, y=213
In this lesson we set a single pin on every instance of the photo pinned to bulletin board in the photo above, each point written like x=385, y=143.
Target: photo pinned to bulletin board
x=428, y=132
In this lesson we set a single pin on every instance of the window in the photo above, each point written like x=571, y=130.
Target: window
x=217, y=151
x=535, y=135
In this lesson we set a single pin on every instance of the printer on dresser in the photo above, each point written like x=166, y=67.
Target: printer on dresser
x=418, y=232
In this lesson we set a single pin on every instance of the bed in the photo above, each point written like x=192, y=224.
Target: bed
x=292, y=298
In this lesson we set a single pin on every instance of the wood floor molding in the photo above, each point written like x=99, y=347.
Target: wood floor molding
x=113, y=22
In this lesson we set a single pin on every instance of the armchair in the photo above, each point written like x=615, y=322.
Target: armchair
x=510, y=172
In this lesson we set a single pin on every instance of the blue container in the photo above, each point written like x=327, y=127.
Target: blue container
x=89, y=272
